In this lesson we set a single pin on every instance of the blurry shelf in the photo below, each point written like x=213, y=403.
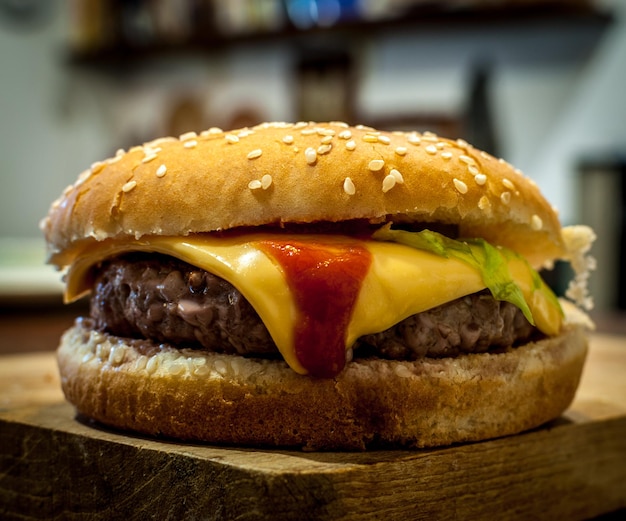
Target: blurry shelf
x=430, y=18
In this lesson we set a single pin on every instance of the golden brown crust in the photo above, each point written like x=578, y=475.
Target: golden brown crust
x=277, y=173
x=217, y=398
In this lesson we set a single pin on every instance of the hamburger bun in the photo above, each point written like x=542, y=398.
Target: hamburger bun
x=284, y=176
x=229, y=399
x=165, y=187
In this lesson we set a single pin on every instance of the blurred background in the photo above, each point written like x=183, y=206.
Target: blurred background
x=539, y=82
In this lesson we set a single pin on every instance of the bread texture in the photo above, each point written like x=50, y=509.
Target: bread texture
x=279, y=173
x=193, y=395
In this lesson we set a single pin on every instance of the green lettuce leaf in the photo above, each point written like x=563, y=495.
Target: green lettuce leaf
x=489, y=261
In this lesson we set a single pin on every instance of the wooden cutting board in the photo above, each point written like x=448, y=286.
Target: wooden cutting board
x=55, y=465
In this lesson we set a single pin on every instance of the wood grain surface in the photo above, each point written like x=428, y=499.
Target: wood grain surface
x=54, y=465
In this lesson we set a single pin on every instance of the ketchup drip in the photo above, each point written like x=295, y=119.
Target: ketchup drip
x=325, y=279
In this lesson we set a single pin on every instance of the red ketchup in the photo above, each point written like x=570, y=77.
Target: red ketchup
x=325, y=279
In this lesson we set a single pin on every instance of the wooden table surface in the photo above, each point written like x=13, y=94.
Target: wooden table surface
x=55, y=465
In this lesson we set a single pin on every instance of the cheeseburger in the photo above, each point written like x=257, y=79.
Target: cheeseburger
x=316, y=285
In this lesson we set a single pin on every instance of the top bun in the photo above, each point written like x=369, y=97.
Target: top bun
x=301, y=173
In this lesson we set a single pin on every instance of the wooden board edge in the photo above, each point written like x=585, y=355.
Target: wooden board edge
x=564, y=470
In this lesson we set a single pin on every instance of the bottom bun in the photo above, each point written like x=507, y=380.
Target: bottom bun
x=192, y=395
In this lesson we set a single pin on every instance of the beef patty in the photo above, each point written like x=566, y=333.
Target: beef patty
x=167, y=300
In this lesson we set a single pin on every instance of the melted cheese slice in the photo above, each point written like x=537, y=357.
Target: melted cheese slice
x=401, y=281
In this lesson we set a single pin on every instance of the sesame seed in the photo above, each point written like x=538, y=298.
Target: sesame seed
x=536, y=223
x=350, y=145
x=340, y=124
x=384, y=140
x=466, y=159
x=446, y=155
x=255, y=184
x=440, y=145
x=231, y=138
x=395, y=173
x=484, y=203
x=192, y=143
x=486, y=156
x=97, y=166
x=152, y=149
x=83, y=177
x=326, y=140
x=401, y=151
x=431, y=138
x=310, y=155
x=215, y=130
x=253, y=154
x=460, y=185
x=508, y=184
x=376, y=164
x=120, y=152
x=148, y=158
x=324, y=149
x=266, y=181
x=345, y=134
x=480, y=179
x=160, y=140
x=364, y=127
x=370, y=138
x=113, y=160
x=388, y=183
x=473, y=169
x=176, y=367
x=505, y=197
x=431, y=149
x=161, y=171
x=326, y=132
x=288, y=139
x=402, y=371
x=187, y=135
x=129, y=186
x=152, y=365
x=300, y=124
x=245, y=133
x=462, y=143
x=414, y=139
x=308, y=131
x=348, y=186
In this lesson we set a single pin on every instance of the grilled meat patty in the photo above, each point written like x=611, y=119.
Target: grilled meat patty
x=167, y=300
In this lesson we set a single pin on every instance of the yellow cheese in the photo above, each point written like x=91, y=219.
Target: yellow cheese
x=401, y=281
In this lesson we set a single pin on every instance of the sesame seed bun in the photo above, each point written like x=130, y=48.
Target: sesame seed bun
x=283, y=173
x=192, y=395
